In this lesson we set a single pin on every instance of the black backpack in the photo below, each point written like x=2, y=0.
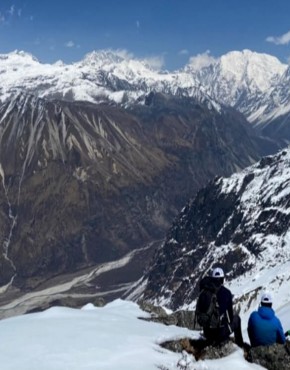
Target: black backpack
x=207, y=312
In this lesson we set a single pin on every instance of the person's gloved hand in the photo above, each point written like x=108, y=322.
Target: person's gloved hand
x=287, y=333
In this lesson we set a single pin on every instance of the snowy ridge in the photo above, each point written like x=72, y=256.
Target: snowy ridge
x=255, y=84
x=241, y=223
x=103, y=75
x=265, y=202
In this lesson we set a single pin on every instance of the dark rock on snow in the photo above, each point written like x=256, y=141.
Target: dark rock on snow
x=275, y=357
x=182, y=318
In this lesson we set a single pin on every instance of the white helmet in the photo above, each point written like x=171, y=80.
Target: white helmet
x=266, y=298
x=218, y=273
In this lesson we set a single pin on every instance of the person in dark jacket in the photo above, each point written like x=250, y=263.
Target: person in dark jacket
x=229, y=322
x=264, y=328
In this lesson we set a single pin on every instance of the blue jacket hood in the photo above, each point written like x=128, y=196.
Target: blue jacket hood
x=267, y=313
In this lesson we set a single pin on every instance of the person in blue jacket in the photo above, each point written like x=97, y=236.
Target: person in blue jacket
x=264, y=328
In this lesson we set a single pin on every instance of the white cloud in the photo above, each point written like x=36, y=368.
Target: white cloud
x=156, y=62
x=70, y=44
x=7, y=15
x=280, y=40
x=201, y=60
x=11, y=10
x=125, y=54
x=2, y=18
x=137, y=24
x=183, y=52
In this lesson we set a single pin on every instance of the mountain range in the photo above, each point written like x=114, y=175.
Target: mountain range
x=254, y=84
x=98, y=157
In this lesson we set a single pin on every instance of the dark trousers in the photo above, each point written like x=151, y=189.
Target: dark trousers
x=237, y=329
x=221, y=334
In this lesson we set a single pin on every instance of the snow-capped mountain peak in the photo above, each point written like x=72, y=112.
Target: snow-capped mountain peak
x=247, y=66
x=248, y=81
x=102, y=58
x=19, y=56
x=239, y=78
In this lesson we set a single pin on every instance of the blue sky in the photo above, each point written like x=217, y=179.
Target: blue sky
x=171, y=31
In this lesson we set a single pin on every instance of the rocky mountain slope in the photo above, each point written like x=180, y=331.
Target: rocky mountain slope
x=83, y=183
x=240, y=223
x=69, y=175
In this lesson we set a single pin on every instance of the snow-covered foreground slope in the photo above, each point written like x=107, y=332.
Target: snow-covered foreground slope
x=108, y=338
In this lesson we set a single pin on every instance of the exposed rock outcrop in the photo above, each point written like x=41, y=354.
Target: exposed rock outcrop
x=200, y=349
x=183, y=318
x=275, y=357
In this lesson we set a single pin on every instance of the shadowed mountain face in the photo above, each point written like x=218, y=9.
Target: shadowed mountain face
x=240, y=223
x=84, y=183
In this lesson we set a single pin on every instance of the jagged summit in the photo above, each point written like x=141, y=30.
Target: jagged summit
x=103, y=57
x=241, y=223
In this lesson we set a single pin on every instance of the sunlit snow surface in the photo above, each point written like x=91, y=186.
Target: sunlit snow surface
x=107, y=338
